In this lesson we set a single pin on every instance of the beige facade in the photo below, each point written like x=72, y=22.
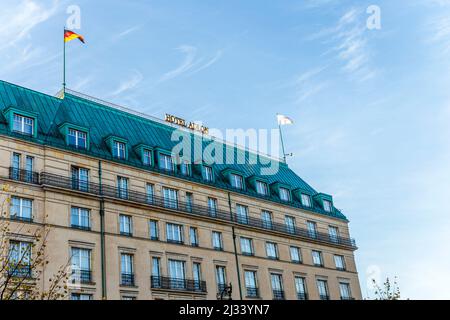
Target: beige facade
x=52, y=205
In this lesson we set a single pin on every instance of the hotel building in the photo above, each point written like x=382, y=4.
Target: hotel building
x=134, y=224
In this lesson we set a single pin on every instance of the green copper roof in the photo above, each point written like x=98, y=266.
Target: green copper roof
x=103, y=120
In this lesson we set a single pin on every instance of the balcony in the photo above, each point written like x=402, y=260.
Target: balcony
x=82, y=276
x=167, y=283
x=347, y=298
x=127, y=279
x=252, y=292
x=302, y=296
x=278, y=294
x=20, y=271
x=324, y=297
x=23, y=175
x=22, y=219
x=48, y=179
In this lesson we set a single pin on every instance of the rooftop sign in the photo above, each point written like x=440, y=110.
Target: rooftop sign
x=183, y=123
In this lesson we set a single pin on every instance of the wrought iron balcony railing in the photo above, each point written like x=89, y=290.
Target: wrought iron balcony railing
x=127, y=279
x=278, y=294
x=302, y=296
x=347, y=298
x=49, y=179
x=23, y=175
x=19, y=218
x=81, y=276
x=167, y=283
x=252, y=292
x=324, y=297
x=20, y=271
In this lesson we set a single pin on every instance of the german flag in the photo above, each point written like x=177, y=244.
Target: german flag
x=70, y=35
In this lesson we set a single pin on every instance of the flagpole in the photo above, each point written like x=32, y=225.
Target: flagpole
x=64, y=64
x=282, y=143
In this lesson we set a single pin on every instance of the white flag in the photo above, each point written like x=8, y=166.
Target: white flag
x=283, y=120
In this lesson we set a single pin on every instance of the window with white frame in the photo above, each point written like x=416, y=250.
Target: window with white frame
x=272, y=250
x=165, y=162
x=193, y=236
x=296, y=256
x=242, y=214
x=21, y=209
x=16, y=165
x=306, y=200
x=22, y=124
x=154, y=230
x=80, y=218
x=29, y=168
x=150, y=191
x=333, y=232
x=81, y=265
x=177, y=273
x=197, y=273
x=312, y=229
x=80, y=296
x=189, y=201
x=277, y=286
x=80, y=179
x=251, y=283
x=19, y=259
x=247, y=246
x=217, y=240
x=126, y=225
x=339, y=261
x=300, y=288
x=122, y=187
x=174, y=232
x=237, y=181
x=212, y=207
x=344, y=289
x=262, y=188
x=127, y=269
x=266, y=217
x=170, y=198
x=77, y=138
x=327, y=206
x=285, y=194
x=322, y=288
x=317, y=258
x=290, y=224
x=185, y=168
x=147, y=157
x=221, y=278
x=208, y=173
x=119, y=149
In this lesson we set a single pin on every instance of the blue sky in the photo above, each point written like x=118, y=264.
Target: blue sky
x=371, y=107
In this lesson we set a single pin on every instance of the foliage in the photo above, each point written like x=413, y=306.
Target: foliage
x=388, y=290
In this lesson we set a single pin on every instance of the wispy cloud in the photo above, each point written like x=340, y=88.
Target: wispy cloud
x=191, y=63
x=131, y=82
x=126, y=32
x=439, y=31
x=307, y=84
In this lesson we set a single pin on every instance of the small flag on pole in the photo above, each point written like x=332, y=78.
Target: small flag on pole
x=283, y=120
x=70, y=35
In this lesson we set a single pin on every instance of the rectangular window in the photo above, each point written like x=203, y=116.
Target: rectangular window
x=165, y=162
x=306, y=200
x=21, y=209
x=24, y=125
x=247, y=246
x=212, y=207
x=208, y=173
x=285, y=194
x=300, y=288
x=317, y=258
x=277, y=286
x=217, y=241
x=16, y=166
x=154, y=230
x=339, y=261
x=242, y=214
x=170, y=198
x=266, y=217
x=19, y=259
x=237, y=181
x=344, y=289
x=312, y=229
x=126, y=225
x=156, y=272
x=189, y=201
x=127, y=269
x=80, y=218
x=119, y=150
x=80, y=179
x=81, y=265
x=122, y=187
x=77, y=139
x=185, y=169
x=327, y=206
x=322, y=288
x=262, y=188
x=150, y=191
x=174, y=233
x=290, y=224
x=193, y=235
x=272, y=250
x=197, y=273
x=177, y=274
x=296, y=256
x=333, y=232
x=221, y=278
x=147, y=158
x=29, y=168
x=250, y=284
x=80, y=296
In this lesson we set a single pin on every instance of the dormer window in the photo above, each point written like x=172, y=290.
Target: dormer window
x=119, y=149
x=285, y=194
x=77, y=138
x=165, y=162
x=208, y=174
x=327, y=206
x=23, y=125
x=147, y=157
x=185, y=169
x=306, y=200
x=236, y=181
x=262, y=188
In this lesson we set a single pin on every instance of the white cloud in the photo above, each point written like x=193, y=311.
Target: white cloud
x=130, y=83
x=126, y=32
x=191, y=63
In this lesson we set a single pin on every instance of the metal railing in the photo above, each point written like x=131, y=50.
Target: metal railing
x=302, y=296
x=53, y=180
x=324, y=297
x=278, y=294
x=20, y=271
x=23, y=175
x=252, y=292
x=347, y=298
x=81, y=276
x=22, y=219
x=158, y=282
x=127, y=279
